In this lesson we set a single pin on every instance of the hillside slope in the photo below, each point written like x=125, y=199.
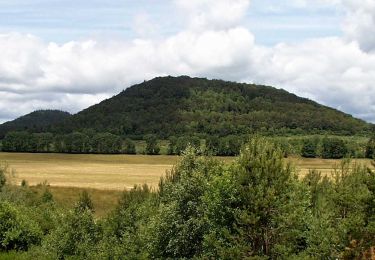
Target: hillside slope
x=173, y=106
x=37, y=121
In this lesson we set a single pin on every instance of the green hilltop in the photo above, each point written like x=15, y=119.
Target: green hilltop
x=184, y=106
x=37, y=121
x=176, y=106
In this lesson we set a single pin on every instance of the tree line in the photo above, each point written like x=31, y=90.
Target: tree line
x=76, y=142
x=252, y=208
x=107, y=143
x=335, y=148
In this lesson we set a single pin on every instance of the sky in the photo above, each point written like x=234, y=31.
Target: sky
x=68, y=55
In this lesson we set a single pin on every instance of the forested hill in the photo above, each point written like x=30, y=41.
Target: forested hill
x=37, y=121
x=174, y=106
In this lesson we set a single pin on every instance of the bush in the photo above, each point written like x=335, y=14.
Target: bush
x=2, y=177
x=309, y=148
x=129, y=147
x=370, y=148
x=77, y=235
x=17, y=230
x=152, y=147
x=333, y=148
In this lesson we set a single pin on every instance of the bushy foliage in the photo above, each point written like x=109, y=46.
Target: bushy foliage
x=2, y=177
x=179, y=227
x=126, y=231
x=17, y=230
x=259, y=214
x=179, y=145
x=129, y=147
x=152, y=147
x=76, y=235
x=252, y=208
x=309, y=148
x=370, y=148
x=333, y=148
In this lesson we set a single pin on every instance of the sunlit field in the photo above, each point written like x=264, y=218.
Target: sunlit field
x=105, y=172
x=105, y=176
x=115, y=172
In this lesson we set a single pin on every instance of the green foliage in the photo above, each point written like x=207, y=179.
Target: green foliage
x=229, y=146
x=35, y=122
x=106, y=143
x=76, y=143
x=252, y=208
x=2, y=176
x=260, y=213
x=152, y=147
x=129, y=147
x=84, y=203
x=179, y=145
x=183, y=106
x=342, y=222
x=17, y=230
x=179, y=227
x=76, y=235
x=125, y=232
x=333, y=148
x=310, y=148
x=370, y=148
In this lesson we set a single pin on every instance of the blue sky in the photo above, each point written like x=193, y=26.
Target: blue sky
x=66, y=20
x=64, y=54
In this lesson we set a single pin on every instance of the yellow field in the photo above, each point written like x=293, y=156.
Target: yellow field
x=112, y=172
x=105, y=176
x=107, y=172
x=325, y=166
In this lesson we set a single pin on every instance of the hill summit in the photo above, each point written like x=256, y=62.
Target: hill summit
x=175, y=106
x=37, y=121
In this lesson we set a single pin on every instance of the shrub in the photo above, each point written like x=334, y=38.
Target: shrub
x=309, y=148
x=370, y=148
x=152, y=147
x=17, y=230
x=333, y=148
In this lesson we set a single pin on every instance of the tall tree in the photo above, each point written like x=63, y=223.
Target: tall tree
x=152, y=147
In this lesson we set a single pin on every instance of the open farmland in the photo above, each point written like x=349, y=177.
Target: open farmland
x=105, y=172
x=113, y=172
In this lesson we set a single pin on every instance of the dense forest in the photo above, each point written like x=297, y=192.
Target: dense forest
x=35, y=122
x=180, y=106
x=252, y=208
x=316, y=146
x=184, y=106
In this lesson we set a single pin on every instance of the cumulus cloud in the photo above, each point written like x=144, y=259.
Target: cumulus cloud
x=360, y=22
x=213, y=14
x=338, y=72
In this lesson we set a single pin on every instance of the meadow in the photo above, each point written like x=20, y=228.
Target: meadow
x=105, y=176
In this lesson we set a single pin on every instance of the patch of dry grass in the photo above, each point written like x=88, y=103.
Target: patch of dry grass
x=106, y=172
x=116, y=172
x=106, y=176
x=325, y=166
x=66, y=197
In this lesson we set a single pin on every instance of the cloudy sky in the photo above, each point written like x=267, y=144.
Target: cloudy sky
x=69, y=54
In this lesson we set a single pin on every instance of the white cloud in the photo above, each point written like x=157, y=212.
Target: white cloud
x=213, y=14
x=35, y=74
x=360, y=22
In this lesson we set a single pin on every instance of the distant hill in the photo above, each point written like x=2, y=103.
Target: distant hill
x=37, y=121
x=174, y=106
